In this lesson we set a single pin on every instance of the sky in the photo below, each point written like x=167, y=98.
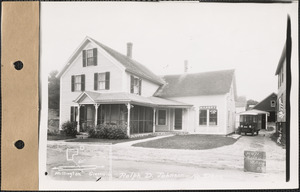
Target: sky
x=211, y=36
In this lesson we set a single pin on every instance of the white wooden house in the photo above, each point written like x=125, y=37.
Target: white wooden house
x=100, y=85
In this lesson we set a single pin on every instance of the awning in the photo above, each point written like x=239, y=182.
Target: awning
x=123, y=97
x=254, y=112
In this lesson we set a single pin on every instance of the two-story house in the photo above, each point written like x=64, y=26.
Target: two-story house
x=100, y=85
x=281, y=95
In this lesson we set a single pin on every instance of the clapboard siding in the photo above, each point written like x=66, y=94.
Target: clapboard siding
x=76, y=68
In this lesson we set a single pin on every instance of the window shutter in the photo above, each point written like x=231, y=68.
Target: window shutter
x=82, y=82
x=107, y=80
x=95, y=81
x=131, y=84
x=72, y=83
x=72, y=114
x=84, y=58
x=140, y=86
x=95, y=56
x=76, y=112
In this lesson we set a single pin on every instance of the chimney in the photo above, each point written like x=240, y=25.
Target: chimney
x=186, y=66
x=129, y=50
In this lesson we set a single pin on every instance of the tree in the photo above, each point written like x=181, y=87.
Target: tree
x=53, y=90
x=251, y=103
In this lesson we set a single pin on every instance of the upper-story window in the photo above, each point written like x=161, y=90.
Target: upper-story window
x=89, y=57
x=273, y=103
x=78, y=83
x=135, y=85
x=101, y=81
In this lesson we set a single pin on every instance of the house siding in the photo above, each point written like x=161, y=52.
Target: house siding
x=230, y=105
x=191, y=116
x=282, y=93
x=148, y=88
x=76, y=68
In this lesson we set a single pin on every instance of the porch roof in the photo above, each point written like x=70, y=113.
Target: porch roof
x=123, y=97
x=254, y=112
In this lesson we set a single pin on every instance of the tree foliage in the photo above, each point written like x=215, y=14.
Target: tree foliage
x=251, y=102
x=53, y=90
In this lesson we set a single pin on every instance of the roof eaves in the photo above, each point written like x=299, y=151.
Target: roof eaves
x=144, y=76
x=257, y=104
x=281, y=60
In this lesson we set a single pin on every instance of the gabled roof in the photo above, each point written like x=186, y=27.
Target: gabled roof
x=197, y=84
x=281, y=60
x=130, y=65
x=123, y=97
x=265, y=104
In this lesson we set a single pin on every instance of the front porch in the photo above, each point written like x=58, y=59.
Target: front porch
x=137, y=113
x=140, y=118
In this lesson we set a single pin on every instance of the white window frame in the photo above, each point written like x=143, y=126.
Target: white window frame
x=157, y=117
x=87, y=57
x=207, y=117
x=136, y=85
x=273, y=103
x=101, y=81
x=77, y=83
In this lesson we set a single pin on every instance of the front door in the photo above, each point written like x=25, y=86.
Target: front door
x=178, y=119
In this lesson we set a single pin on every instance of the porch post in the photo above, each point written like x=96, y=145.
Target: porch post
x=96, y=113
x=267, y=122
x=128, y=119
x=154, y=110
x=78, y=120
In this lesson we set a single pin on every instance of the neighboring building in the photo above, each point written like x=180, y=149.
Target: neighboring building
x=100, y=85
x=240, y=106
x=268, y=104
x=281, y=95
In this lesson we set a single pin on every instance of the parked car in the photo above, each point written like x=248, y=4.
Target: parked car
x=249, y=124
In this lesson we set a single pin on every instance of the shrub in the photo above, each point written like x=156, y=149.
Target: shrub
x=52, y=132
x=69, y=128
x=105, y=131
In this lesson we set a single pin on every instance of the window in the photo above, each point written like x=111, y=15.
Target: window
x=78, y=83
x=213, y=117
x=89, y=57
x=135, y=85
x=273, y=103
x=208, y=115
x=101, y=81
x=162, y=117
x=203, y=117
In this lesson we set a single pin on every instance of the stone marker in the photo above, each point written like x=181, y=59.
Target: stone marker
x=255, y=161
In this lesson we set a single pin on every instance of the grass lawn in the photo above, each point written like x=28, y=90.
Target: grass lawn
x=112, y=141
x=195, y=142
x=58, y=137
